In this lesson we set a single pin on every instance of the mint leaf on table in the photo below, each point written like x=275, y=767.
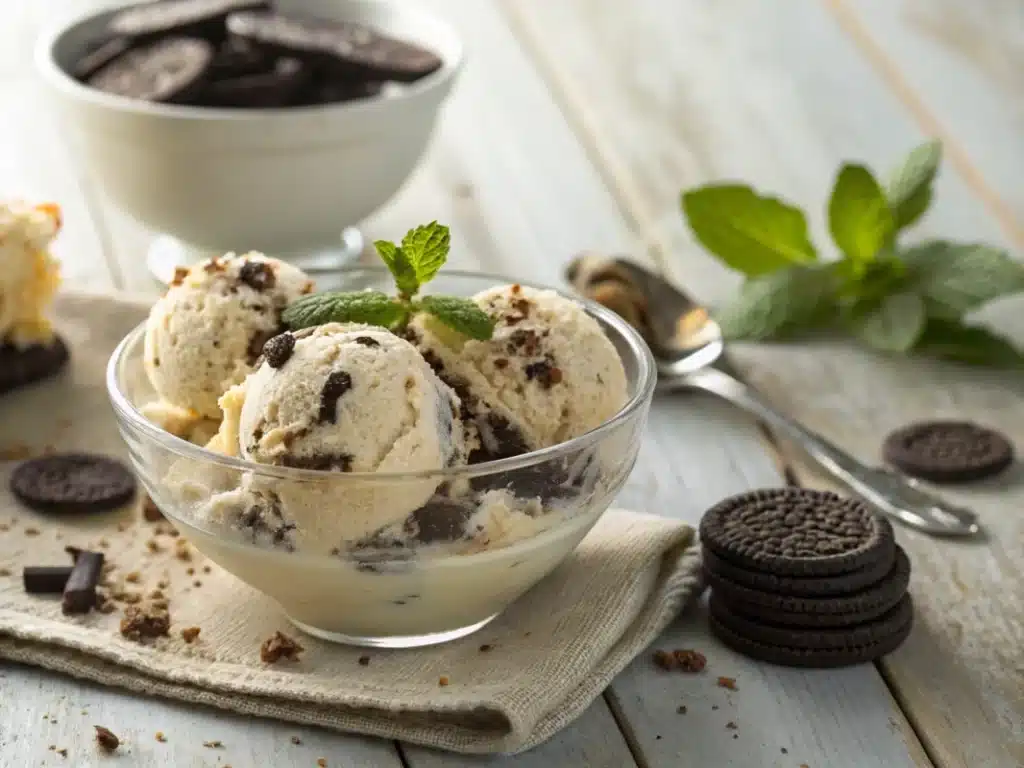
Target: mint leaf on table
x=892, y=325
x=460, y=315
x=426, y=248
x=399, y=265
x=957, y=278
x=772, y=305
x=369, y=307
x=910, y=186
x=952, y=340
x=748, y=232
x=858, y=215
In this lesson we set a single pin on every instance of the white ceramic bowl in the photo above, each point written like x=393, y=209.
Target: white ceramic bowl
x=275, y=180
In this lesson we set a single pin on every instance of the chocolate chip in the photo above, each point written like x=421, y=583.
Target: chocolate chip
x=258, y=275
x=440, y=519
x=106, y=738
x=254, y=352
x=337, y=384
x=339, y=462
x=544, y=372
x=278, y=350
x=367, y=341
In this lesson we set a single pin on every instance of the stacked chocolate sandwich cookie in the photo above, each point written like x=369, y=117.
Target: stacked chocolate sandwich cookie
x=805, y=578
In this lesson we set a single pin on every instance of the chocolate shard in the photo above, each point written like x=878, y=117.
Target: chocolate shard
x=80, y=590
x=45, y=579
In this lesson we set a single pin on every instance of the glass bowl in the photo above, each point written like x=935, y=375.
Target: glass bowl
x=527, y=512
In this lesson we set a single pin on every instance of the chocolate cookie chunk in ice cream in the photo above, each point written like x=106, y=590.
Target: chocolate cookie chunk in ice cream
x=548, y=374
x=338, y=398
x=204, y=335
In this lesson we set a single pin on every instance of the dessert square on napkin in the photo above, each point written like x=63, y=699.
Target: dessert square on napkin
x=510, y=686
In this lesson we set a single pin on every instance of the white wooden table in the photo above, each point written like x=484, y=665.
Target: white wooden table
x=576, y=126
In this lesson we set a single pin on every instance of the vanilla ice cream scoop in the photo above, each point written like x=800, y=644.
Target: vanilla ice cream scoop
x=29, y=275
x=548, y=374
x=340, y=398
x=205, y=333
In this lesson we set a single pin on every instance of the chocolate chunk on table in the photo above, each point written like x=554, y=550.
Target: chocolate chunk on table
x=80, y=591
x=45, y=579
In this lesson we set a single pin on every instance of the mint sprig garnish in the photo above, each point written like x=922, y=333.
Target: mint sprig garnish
x=413, y=264
x=896, y=298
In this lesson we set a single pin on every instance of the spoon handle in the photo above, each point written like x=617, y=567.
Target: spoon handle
x=899, y=497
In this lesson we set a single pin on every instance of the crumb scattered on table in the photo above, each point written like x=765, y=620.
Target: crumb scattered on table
x=106, y=738
x=31, y=531
x=296, y=740
x=62, y=752
x=731, y=725
x=153, y=545
x=5, y=571
x=214, y=744
x=364, y=661
x=150, y=511
x=207, y=569
x=133, y=577
x=160, y=737
x=681, y=709
x=182, y=551
x=190, y=571
x=279, y=646
x=443, y=681
x=728, y=682
x=486, y=648
x=189, y=634
x=321, y=762
x=197, y=583
x=690, y=660
x=139, y=623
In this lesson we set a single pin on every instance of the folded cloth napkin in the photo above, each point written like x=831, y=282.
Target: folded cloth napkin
x=510, y=686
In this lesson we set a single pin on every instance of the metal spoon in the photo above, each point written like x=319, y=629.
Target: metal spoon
x=688, y=346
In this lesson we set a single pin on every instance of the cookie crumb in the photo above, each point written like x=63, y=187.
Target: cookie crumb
x=62, y=752
x=785, y=751
x=139, y=623
x=486, y=648
x=279, y=646
x=133, y=577
x=731, y=725
x=31, y=531
x=664, y=660
x=5, y=571
x=321, y=762
x=156, y=594
x=122, y=527
x=190, y=571
x=689, y=660
x=681, y=709
x=296, y=740
x=215, y=744
x=443, y=681
x=714, y=707
x=727, y=682
x=163, y=584
x=364, y=661
x=106, y=738
x=182, y=551
x=153, y=545
x=189, y=634
x=160, y=737
x=104, y=544
x=207, y=569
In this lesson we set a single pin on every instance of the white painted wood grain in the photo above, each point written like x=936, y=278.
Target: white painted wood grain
x=41, y=709
x=778, y=96
x=964, y=63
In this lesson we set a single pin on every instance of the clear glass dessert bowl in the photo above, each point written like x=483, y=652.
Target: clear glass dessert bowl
x=484, y=533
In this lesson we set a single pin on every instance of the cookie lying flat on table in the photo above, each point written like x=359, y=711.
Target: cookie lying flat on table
x=796, y=532
x=73, y=483
x=948, y=451
x=20, y=366
x=812, y=647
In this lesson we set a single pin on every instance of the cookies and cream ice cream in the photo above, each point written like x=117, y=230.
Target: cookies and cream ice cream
x=340, y=398
x=205, y=333
x=29, y=275
x=547, y=375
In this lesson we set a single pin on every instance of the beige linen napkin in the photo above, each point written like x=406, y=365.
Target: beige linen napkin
x=511, y=686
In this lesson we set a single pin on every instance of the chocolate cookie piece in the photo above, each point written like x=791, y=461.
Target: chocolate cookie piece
x=279, y=87
x=800, y=586
x=99, y=56
x=813, y=647
x=22, y=366
x=440, y=519
x=337, y=91
x=72, y=483
x=948, y=451
x=202, y=18
x=237, y=58
x=831, y=611
x=796, y=532
x=170, y=70
x=344, y=46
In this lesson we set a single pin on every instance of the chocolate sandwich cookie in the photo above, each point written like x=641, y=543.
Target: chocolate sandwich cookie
x=170, y=70
x=812, y=647
x=796, y=532
x=837, y=610
x=333, y=90
x=265, y=90
x=72, y=483
x=100, y=56
x=20, y=366
x=343, y=46
x=200, y=18
x=805, y=586
x=236, y=57
x=948, y=451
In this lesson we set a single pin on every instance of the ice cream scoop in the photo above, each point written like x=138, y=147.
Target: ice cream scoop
x=205, y=333
x=548, y=374
x=29, y=275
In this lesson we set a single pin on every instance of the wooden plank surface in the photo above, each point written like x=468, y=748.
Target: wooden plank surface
x=957, y=67
x=742, y=89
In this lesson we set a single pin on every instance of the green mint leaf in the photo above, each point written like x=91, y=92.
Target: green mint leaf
x=858, y=215
x=461, y=315
x=426, y=249
x=399, y=265
x=951, y=340
x=750, y=233
x=892, y=325
x=370, y=307
x=780, y=303
x=957, y=278
x=910, y=186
